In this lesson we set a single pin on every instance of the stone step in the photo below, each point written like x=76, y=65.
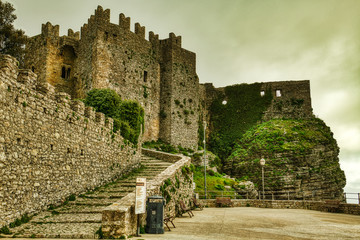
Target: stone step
x=59, y=230
x=105, y=195
x=81, y=209
x=82, y=218
x=93, y=202
x=70, y=218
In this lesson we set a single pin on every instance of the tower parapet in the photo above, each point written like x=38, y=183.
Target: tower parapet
x=49, y=30
x=124, y=22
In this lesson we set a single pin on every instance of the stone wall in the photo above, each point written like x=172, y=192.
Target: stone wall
x=50, y=146
x=291, y=99
x=120, y=219
x=292, y=204
x=159, y=74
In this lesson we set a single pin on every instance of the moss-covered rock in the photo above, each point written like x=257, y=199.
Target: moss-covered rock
x=301, y=157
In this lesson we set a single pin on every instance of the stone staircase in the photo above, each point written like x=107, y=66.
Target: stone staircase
x=82, y=218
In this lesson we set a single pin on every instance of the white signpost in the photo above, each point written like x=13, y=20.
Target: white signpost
x=140, y=200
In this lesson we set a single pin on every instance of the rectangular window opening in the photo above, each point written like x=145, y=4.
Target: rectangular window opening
x=145, y=76
x=278, y=93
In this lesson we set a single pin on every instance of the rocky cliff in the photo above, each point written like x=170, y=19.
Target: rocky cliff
x=301, y=158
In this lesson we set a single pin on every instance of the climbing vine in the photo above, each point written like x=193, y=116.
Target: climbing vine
x=244, y=109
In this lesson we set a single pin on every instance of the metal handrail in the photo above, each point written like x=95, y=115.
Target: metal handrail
x=353, y=198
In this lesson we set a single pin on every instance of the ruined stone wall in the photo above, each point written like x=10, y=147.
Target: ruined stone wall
x=291, y=99
x=50, y=146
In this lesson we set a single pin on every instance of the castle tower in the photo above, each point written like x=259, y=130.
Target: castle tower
x=53, y=58
x=159, y=74
x=179, y=94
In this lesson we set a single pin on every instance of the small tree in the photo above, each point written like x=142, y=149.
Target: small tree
x=12, y=41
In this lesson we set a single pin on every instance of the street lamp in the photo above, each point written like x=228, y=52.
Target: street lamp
x=205, y=159
x=262, y=163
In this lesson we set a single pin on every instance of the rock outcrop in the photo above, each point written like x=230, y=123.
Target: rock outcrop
x=301, y=159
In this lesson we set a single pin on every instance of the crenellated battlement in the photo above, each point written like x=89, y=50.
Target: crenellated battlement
x=139, y=30
x=172, y=40
x=101, y=15
x=72, y=34
x=124, y=22
x=25, y=80
x=49, y=30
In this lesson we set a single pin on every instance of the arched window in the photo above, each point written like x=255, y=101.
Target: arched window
x=63, y=72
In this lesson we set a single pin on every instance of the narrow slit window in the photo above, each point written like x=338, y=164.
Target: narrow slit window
x=68, y=73
x=278, y=93
x=145, y=76
x=63, y=72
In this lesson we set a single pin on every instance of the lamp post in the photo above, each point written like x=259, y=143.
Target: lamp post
x=262, y=163
x=205, y=159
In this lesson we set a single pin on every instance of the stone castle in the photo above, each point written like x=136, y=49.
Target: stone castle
x=159, y=74
x=52, y=146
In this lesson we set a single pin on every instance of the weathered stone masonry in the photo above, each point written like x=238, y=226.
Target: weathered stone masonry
x=50, y=146
x=159, y=74
x=120, y=219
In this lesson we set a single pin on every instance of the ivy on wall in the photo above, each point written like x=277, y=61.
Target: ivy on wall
x=244, y=109
x=128, y=115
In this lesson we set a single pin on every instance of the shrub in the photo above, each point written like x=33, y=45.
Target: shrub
x=72, y=197
x=5, y=230
x=219, y=187
x=128, y=115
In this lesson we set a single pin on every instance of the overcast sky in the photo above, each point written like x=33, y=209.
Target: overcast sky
x=246, y=41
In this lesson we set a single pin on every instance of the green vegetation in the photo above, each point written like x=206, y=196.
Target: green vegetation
x=12, y=41
x=5, y=230
x=284, y=144
x=229, y=122
x=72, y=197
x=164, y=147
x=215, y=183
x=24, y=219
x=128, y=115
x=100, y=233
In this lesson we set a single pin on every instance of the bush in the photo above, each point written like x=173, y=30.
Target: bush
x=219, y=187
x=128, y=115
x=5, y=230
x=106, y=101
x=72, y=197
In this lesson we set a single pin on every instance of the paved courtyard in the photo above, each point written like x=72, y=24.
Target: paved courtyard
x=262, y=223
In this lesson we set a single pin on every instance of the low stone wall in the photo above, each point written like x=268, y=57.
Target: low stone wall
x=291, y=204
x=174, y=184
x=167, y=157
x=50, y=146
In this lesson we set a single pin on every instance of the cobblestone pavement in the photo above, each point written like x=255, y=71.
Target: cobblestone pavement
x=261, y=223
x=82, y=218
